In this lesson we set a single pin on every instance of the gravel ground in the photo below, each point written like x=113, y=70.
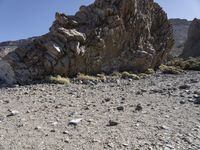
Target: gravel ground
x=160, y=112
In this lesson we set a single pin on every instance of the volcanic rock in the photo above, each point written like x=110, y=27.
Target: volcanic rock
x=106, y=36
x=192, y=45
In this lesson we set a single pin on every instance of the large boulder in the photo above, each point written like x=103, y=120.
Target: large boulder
x=192, y=45
x=106, y=36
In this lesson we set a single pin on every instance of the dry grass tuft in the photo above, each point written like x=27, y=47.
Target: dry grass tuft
x=126, y=74
x=58, y=80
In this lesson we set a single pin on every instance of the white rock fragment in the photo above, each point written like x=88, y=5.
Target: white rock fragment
x=75, y=121
x=13, y=113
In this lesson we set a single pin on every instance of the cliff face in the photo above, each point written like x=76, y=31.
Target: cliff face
x=192, y=45
x=180, y=32
x=106, y=36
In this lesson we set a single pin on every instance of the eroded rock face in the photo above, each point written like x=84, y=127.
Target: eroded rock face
x=192, y=45
x=106, y=36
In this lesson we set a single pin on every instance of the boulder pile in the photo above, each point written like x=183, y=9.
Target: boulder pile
x=106, y=36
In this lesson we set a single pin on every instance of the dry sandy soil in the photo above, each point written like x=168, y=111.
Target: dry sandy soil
x=156, y=113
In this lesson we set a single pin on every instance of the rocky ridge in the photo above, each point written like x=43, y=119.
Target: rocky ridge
x=105, y=36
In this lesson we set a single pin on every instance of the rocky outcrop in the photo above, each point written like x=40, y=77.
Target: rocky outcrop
x=192, y=45
x=180, y=32
x=106, y=36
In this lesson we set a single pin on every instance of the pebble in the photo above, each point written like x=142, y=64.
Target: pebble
x=191, y=100
x=38, y=128
x=184, y=87
x=112, y=123
x=66, y=140
x=107, y=99
x=111, y=145
x=182, y=102
x=120, y=108
x=65, y=132
x=163, y=127
x=138, y=107
x=75, y=121
x=13, y=113
x=52, y=130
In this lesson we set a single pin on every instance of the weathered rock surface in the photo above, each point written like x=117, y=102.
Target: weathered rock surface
x=105, y=36
x=192, y=45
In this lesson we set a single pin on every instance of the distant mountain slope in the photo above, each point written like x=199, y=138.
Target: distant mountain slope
x=180, y=30
x=8, y=46
x=192, y=45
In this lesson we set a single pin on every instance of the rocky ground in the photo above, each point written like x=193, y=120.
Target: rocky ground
x=160, y=112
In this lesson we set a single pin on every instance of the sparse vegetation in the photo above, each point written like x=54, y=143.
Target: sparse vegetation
x=116, y=74
x=149, y=71
x=188, y=64
x=84, y=77
x=170, y=69
x=126, y=74
x=58, y=80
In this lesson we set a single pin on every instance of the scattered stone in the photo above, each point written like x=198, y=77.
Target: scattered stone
x=182, y=102
x=13, y=113
x=38, y=128
x=65, y=132
x=52, y=130
x=112, y=123
x=184, y=87
x=120, y=108
x=6, y=101
x=67, y=140
x=139, y=107
x=75, y=121
x=191, y=100
x=111, y=145
x=196, y=96
x=163, y=127
x=197, y=92
x=187, y=139
x=107, y=99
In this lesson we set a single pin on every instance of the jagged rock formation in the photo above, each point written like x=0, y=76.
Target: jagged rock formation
x=106, y=36
x=192, y=45
x=180, y=32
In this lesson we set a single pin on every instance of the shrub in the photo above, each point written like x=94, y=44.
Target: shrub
x=149, y=71
x=58, y=80
x=188, y=64
x=126, y=74
x=170, y=69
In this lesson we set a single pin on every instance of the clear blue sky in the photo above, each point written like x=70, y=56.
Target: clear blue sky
x=26, y=18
